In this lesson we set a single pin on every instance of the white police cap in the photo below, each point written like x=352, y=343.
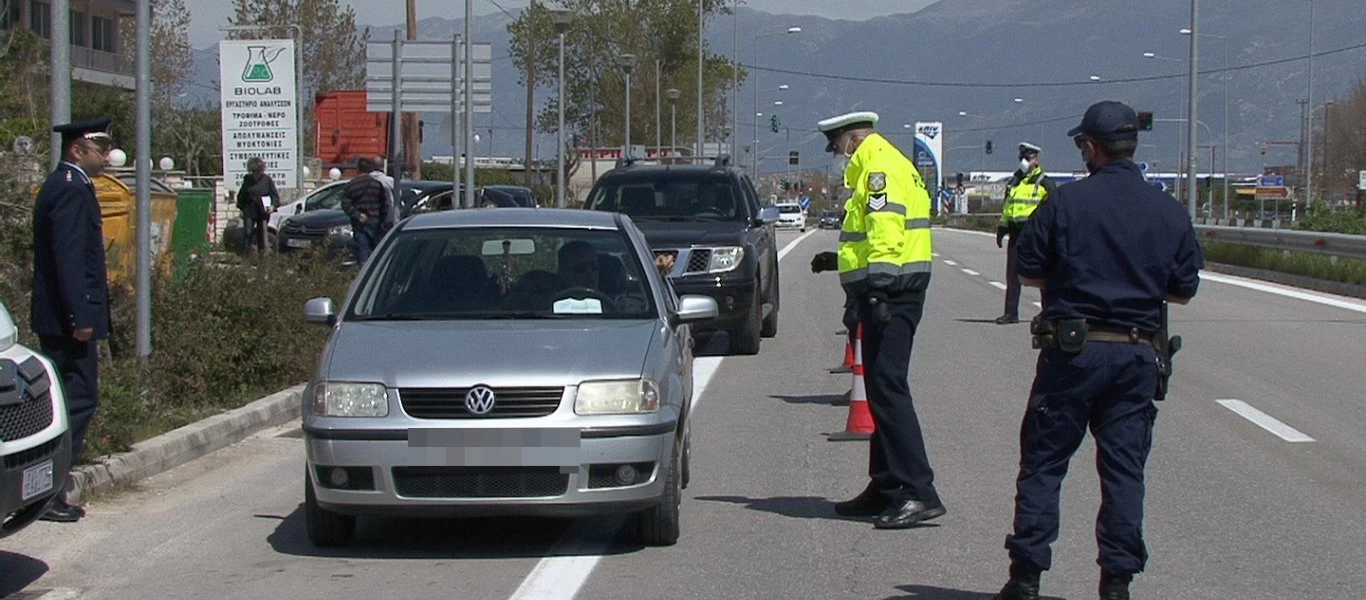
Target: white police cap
x=834, y=127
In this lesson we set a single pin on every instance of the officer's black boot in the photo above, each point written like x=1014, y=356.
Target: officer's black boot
x=1023, y=584
x=1114, y=587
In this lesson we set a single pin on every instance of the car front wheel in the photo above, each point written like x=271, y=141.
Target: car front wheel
x=326, y=529
x=658, y=526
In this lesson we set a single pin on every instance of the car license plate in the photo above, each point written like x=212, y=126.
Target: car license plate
x=37, y=480
x=297, y=243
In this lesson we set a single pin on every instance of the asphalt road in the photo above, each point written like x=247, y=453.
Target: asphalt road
x=1235, y=509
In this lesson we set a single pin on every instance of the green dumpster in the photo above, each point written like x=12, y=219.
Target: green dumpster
x=190, y=235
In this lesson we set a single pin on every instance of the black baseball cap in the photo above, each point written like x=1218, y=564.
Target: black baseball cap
x=1108, y=120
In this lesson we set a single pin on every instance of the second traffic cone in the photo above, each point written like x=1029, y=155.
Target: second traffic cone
x=859, y=426
x=848, y=366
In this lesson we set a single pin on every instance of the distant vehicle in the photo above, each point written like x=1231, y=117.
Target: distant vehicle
x=470, y=373
x=830, y=220
x=331, y=226
x=791, y=216
x=35, y=441
x=708, y=218
x=324, y=197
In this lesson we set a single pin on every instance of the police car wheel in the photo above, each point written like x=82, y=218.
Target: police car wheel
x=326, y=529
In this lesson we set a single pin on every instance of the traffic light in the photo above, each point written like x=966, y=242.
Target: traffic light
x=1145, y=121
x=420, y=125
x=989, y=146
x=774, y=124
x=792, y=158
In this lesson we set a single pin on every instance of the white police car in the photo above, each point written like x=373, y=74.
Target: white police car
x=35, y=440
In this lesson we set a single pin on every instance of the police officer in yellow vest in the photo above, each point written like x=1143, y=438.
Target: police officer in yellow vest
x=1028, y=188
x=884, y=261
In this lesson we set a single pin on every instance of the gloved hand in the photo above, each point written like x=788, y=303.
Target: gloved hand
x=825, y=261
x=882, y=313
x=1000, y=235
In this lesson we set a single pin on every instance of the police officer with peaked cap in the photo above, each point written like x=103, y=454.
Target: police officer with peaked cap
x=70, y=307
x=1028, y=188
x=884, y=261
x=1107, y=251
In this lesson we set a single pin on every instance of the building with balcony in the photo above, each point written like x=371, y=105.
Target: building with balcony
x=97, y=52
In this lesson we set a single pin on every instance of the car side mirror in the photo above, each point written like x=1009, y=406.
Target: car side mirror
x=319, y=311
x=768, y=215
x=695, y=308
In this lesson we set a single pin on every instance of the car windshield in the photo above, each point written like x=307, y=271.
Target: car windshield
x=324, y=198
x=673, y=196
x=789, y=209
x=505, y=273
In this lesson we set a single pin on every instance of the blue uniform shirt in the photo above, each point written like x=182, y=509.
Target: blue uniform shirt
x=1110, y=249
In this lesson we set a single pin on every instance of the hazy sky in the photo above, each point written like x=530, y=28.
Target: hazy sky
x=208, y=15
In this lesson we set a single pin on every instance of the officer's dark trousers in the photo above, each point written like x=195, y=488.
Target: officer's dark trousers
x=1108, y=387
x=897, y=462
x=1012, y=278
x=77, y=364
x=850, y=319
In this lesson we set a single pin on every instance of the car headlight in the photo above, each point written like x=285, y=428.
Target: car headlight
x=340, y=231
x=337, y=399
x=633, y=396
x=725, y=258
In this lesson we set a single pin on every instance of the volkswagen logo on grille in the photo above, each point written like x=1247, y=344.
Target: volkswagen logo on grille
x=479, y=400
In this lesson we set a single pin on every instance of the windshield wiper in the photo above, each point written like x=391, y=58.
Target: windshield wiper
x=397, y=317
x=526, y=314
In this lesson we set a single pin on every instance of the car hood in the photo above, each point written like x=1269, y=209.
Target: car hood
x=496, y=353
x=321, y=219
x=683, y=234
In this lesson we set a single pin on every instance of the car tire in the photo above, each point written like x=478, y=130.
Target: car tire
x=658, y=526
x=770, y=325
x=686, y=474
x=746, y=339
x=326, y=529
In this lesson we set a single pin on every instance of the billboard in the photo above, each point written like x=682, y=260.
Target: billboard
x=260, y=109
x=929, y=154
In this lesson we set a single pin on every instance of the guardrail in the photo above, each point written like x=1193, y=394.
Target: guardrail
x=1332, y=244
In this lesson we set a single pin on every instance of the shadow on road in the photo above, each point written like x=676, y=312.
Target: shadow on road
x=986, y=321
x=483, y=538
x=797, y=507
x=715, y=343
x=826, y=399
x=929, y=592
x=17, y=571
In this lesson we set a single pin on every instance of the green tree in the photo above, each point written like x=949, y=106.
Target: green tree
x=333, y=49
x=602, y=30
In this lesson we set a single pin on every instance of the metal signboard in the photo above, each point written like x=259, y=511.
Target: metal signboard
x=427, y=73
x=260, y=109
x=1269, y=181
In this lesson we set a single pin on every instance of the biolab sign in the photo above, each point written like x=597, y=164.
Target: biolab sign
x=259, y=109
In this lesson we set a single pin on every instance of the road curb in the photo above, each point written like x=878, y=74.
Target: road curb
x=187, y=443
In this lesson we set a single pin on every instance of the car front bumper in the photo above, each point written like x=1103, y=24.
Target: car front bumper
x=57, y=450
x=733, y=299
x=412, y=476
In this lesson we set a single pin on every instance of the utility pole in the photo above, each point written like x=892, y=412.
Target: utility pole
x=701, y=116
x=530, y=87
x=1191, y=195
x=1309, y=150
x=59, y=78
x=1300, y=165
x=412, y=148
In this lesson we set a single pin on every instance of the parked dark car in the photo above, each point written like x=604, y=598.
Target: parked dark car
x=708, y=218
x=332, y=228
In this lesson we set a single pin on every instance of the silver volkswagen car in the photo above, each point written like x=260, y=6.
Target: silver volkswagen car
x=505, y=362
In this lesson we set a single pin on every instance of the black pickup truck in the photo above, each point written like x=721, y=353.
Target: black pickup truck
x=709, y=219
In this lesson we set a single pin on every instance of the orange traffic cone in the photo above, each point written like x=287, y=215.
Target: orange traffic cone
x=848, y=366
x=859, y=426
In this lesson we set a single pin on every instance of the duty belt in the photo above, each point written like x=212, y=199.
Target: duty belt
x=1071, y=334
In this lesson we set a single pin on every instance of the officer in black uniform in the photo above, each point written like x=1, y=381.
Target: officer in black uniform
x=70, y=308
x=1107, y=251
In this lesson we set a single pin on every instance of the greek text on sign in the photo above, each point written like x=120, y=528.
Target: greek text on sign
x=260, y=114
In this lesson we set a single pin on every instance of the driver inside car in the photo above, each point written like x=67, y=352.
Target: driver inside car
x=579, y=266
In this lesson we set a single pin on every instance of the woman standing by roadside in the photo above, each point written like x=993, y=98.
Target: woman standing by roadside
x=257, y=198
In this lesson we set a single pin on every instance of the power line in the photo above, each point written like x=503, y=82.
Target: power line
x=968, y=84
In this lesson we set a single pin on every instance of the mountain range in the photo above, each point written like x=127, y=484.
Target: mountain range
x=1000, y=70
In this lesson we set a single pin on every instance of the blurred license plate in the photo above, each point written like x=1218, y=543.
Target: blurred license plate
x=37, y=480
x=297, y=243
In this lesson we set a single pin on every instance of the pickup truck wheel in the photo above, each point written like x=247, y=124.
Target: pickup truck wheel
x=326, y=529
x=746, y=339
x=658, y=526
x=770, y=324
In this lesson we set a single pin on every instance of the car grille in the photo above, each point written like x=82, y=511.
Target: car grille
x=297, y=230
x=480, y=482
x=509, y=403
x=33, y=413
x=699, y=260
x=42, y=451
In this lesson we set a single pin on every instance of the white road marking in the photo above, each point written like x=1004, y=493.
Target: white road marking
x=567, y=566
x=934, y=254
x=998, y=285
x=1288, y=292
x=967, y=231
x=970, y=272
x=950, y=263
x=1265, y=421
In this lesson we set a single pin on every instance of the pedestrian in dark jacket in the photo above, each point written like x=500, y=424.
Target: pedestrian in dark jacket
x=70, y=307
x=257, y=198
x=366, y=202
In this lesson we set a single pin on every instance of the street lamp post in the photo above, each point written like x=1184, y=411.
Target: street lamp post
x=562, y=19
x=1191, y=111
x=1180, y=132
x=755, y=75
x=673, y=94
x=1223, y=76
x=627, y=62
